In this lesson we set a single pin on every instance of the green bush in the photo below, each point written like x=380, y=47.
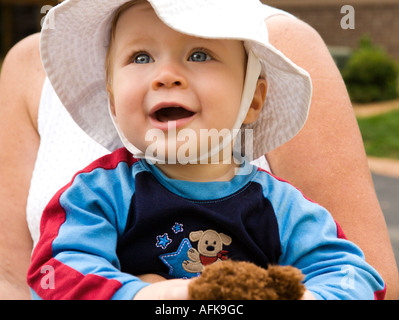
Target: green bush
x=371, y=74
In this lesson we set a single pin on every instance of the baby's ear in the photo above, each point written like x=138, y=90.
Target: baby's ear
x=257, y=102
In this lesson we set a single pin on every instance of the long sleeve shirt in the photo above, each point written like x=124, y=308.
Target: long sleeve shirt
x=121, y=217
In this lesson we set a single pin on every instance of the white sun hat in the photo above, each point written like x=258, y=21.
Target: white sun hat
x=76, y=35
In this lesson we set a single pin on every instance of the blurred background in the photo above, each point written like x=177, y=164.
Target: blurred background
x=20, y=18
x=363, y=38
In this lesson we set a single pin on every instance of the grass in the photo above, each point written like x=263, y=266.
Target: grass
x=381, y=134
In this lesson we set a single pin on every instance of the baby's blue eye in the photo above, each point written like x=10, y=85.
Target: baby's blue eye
x=143, y=58
x=199, y=56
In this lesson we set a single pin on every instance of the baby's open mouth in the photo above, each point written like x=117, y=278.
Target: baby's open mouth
x=171, y=114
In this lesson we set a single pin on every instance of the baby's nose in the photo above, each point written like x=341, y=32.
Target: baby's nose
x=169, y=77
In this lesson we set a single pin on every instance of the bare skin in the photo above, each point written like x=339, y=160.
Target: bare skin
x=20, y=86
x=326, y=160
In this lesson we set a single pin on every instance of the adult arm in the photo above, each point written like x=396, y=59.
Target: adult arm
x=334, y=268
x=20, y=86
x=326, y=160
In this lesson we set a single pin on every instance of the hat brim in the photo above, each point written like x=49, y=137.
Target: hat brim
x=73, y=52
x=289, y=92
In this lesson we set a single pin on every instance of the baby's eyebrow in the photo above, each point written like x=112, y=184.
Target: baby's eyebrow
x=125, y=48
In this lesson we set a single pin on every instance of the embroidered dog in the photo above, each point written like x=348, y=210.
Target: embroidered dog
x=209, y=249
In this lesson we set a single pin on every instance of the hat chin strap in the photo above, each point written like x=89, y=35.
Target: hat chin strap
x=251, y=79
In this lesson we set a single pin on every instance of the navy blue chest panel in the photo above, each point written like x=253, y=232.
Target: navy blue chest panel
x=176, y=237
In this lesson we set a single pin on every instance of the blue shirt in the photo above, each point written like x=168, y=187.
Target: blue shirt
x=122, y=217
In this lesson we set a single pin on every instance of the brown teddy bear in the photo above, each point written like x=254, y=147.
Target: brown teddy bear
x=239, y=280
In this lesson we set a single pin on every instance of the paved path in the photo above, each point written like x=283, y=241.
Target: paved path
x=372, y=109
x=387, y=189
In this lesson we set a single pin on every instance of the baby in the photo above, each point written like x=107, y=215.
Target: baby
x=182, y=78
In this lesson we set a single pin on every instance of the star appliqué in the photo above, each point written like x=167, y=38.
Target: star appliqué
x=178, y=227
x=163, y=241
x=175, y=260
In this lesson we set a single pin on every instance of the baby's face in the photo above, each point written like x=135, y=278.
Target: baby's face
x=167, y=82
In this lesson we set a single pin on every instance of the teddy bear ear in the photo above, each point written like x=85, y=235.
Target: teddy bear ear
x=196, y=235
x=225, y=239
